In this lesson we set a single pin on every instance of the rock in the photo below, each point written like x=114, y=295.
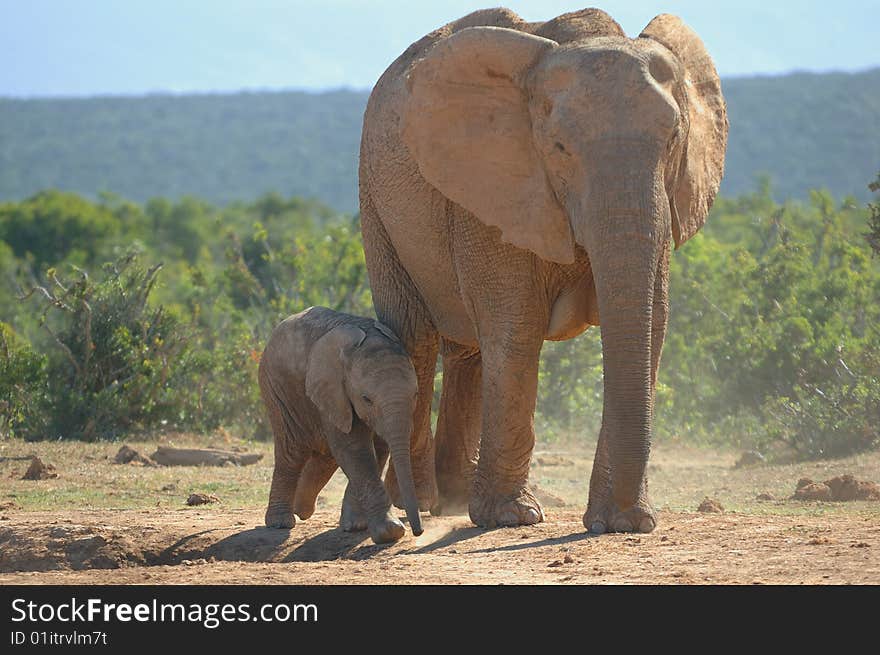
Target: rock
x=39, y=471
x=710, y=506
x=167, y=456
x=749, y=458
x=128, y=455
x=846, y=488
x=202, y=499
x=813, y=491
x=842, y=488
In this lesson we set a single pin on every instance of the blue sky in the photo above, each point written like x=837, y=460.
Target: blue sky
x=99, y=47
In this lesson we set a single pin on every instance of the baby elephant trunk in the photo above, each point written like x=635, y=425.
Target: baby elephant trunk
x=398, y=440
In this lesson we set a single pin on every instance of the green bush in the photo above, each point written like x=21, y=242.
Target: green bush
x=110, y=354
x=52, y=226
x=873, y=234
x=775, y=338
x=22, y=386
x=216, y=386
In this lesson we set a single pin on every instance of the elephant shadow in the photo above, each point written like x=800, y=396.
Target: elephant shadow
x=335, y=544
x=258, y=544
x=550, y=541
x=459, y=535
x=261, y=544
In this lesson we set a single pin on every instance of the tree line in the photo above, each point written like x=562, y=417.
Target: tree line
x=805, y=130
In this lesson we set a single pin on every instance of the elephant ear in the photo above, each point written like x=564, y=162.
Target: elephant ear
x=466, y=123
x=325, y=374
x=702, y=162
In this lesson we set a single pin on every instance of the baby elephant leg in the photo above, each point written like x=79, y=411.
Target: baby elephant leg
x=289, y=458
x=285, y=477
x=353, y=518
x=315, y=474
x=366, y=503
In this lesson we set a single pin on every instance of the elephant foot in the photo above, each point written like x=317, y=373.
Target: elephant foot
x=605, y=516
x=352, y=519
x=382, y=531
x=505, y=511
x=387, y=530
x=280, y=516
x=304, y=508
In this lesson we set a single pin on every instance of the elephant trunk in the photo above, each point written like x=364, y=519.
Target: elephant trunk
x=397, y=436
x=623, y=233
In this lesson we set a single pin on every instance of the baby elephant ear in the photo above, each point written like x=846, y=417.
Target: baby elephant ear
x=384, y=329
x=702, y=164
x=325, y=374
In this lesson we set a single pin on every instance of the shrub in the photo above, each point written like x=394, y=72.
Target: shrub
x=22, y=386
x=873, y=234
x=111, y=354
x=841, y=419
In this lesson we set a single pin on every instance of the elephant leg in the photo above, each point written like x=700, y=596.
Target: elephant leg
x=290, y=458
x=285, y=476
x=353, y=518
x=315, y=474
x=457, y=441
x=399, y=306
x=501, y=495
x=601, y=516
x=366, y=503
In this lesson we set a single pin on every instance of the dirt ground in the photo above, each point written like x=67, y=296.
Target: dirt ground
x=105, y=523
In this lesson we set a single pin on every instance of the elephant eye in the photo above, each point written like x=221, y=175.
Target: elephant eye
x=367, y=400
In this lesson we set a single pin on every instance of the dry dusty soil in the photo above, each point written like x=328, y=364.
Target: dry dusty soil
x=104, y=523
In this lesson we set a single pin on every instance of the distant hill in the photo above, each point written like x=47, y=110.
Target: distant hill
x=804, y=130
x=220, y=147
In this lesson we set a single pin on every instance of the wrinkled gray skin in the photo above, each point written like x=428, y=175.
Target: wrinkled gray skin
x=339, y=389
x=521, y=182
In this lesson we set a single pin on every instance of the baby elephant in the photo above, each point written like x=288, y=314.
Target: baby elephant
x=339, y=389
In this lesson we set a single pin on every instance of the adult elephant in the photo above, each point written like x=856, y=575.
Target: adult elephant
x=521, y=182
